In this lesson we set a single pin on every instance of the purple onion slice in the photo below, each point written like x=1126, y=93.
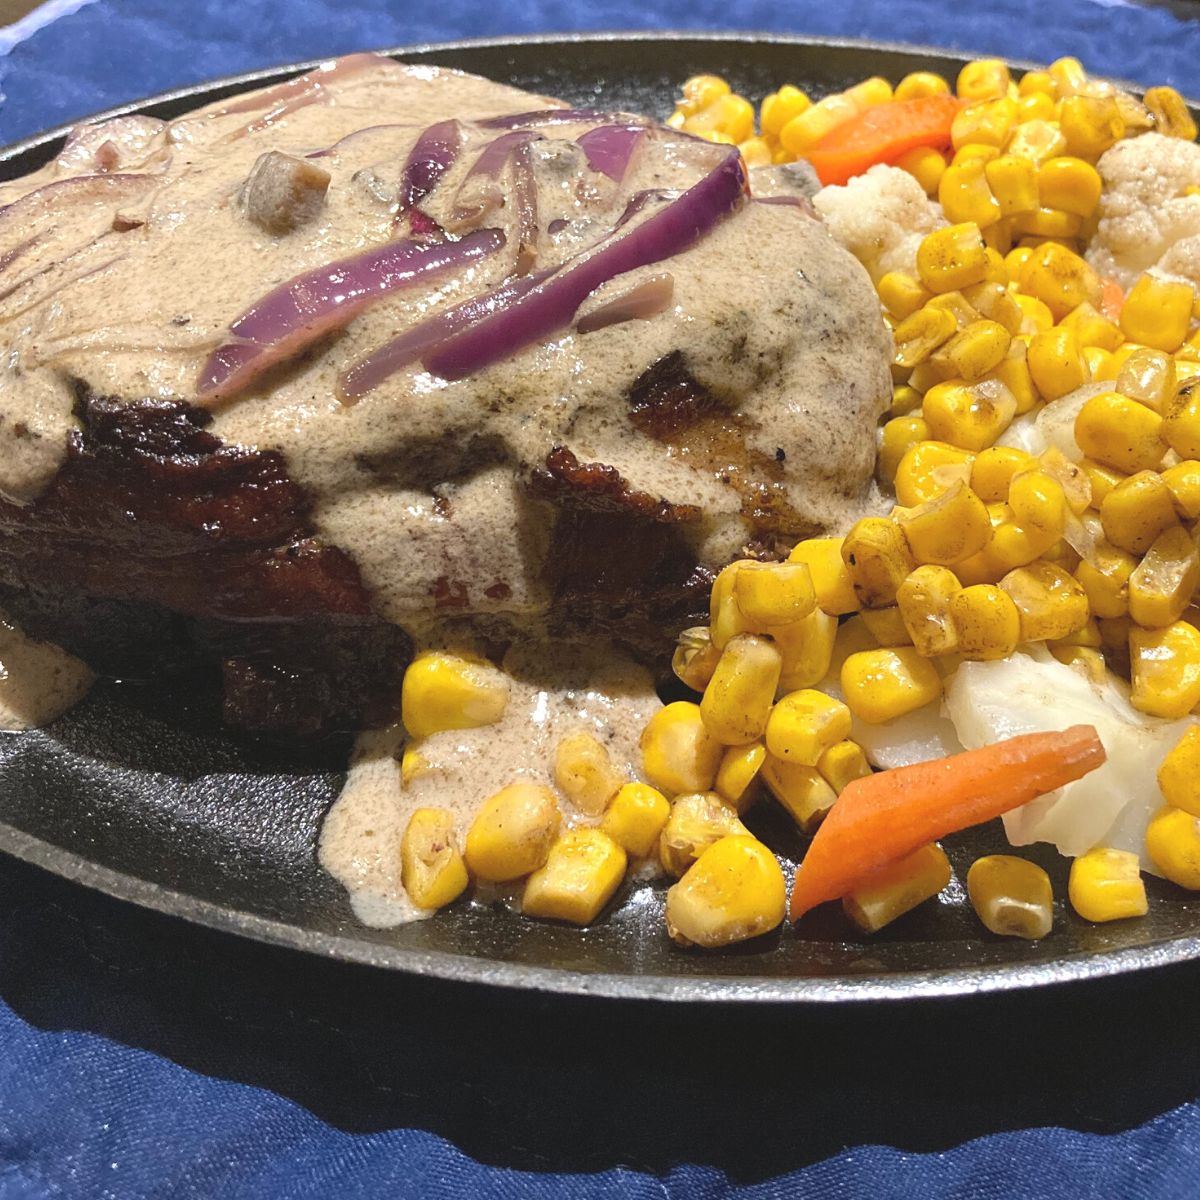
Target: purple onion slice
x=474, y=199
x=641, y=302
x=309, y=84
x=609, y=148
x=560, y=116
x=295, y=314
x=354, y=135
x=552, y=304
x=526, y=207
x=432, y=155
x=369, y=372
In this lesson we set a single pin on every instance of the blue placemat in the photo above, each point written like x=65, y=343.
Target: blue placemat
x=144, y=1058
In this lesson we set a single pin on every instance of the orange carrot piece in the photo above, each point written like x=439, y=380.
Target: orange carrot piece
x=881, y=134
x=883, y=817
x=1112, y=298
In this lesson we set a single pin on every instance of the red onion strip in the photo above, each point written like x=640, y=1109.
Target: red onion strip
x=308, y=84
x=643, y=301
x=305, y=308
x=353, y=135
x=488, y=165
x=526, y=208
x=551, y=305
x=560, y=116
x=106, y=186
x=369, y=372
x=609, y=148
x=431, y=157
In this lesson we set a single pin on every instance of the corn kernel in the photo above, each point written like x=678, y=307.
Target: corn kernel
x=725, y=617
x=734, y=891
x=987, y=123
x=965, y=196
x=431, y=868
x=830, y=578
x=1056, y=362
x=774, y=593
x=740, y=694
x=974, y=351
x=986, y=621
x=906, y=400
x=808, y=127
x=1120, y=433
x=1039, y=503
x=898, y=888
x=879, y=560
x=802, y=790
x=1183, y=479
x=1060, y=279
x=756, y=152
x=1105, y=579
x=1148, y=377
x=1161, y=587
x=983, y=79
x=1170, y=112
x=1101, y=364
x=1165, y=669
x=1106, y=885
x=1014, y=260
x=1136, y=511
x=807, y=648
x=886, y=626
x=1050, y=603
x=993, y=300
x=780, y=107
x=880, y=685
x=445, y=691
x=636, y=817
x=1068, y=76
x=699, y=92
x=1038, y=140
x=924, y=603
x=1014, y=374
x=842, y=764
x=1173, y=845
x=697, y=821
x=695, y=657
x=970, y=416
x=1013, y=181
x=738, y=774
x=1037, y=106
x=1092, y=328
x=582, y=873
x=1047, y=223
x=1035, y=316
x=1181, y=421
x=947, y=529
x=1037, y=83
x=919, y=84
x=1091, y=124
x=1179, y=773
x=993, y=470
x=678, y=752
x=584, y=772
x=1088, y=662
x=1157, y=312
x=1012, y=897
x=902, y=294
x=870, y=92
x=804, y=724
x=928, y=469
x=952, y=258
x=956, y=304
x=925, y=165
x=919, y=335
x=896, y=438
x=1069, y=185
x=730, y=116
x=513, y=832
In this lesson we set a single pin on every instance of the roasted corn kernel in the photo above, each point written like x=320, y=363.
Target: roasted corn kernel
x=1037, y=139
x=921, y=83
x=582, y=873
x=1070, y=185
x=898, y=888
x=780, y=107
x=1056, y=362
x=1050, y=602
x=928, y=469
x=802, y=790
x=446, y=691
x=807, y=128
x=903, y=294
x=1014, y=374
x=725, y=617
x=804, y=724
x=740, y=694
x=774, y=593
x=697, y=821
x=925, y=165
x=919, y=335
x=952, y=258
x=986, y=621
x=897, y=436
x=1093, y=328
x=695, y=658
x=1106, y=885
x=1136, y=511
x=1157, y=312
x=886, y=626
x=1148, y=376
x=1179, y=773
x=1060, y=279
x=734, y=891
x=1162, y=585
x=879, y=560
x=965, y=196
x=946, y=529
x=513, y=832
x=993, y=300
x=924, y=603
x=1183, y=479
x=1120, y=433
x=431, y=867
x=1181, y=421
x=983, y=79
x=970, y=416
x=1173, y=845
x=1091, y=124
x=678, y=752
x=993, y=470
x=842, y=764
x=974, y=351
x=584, y=772
x=636, y=817
x=738, y=774
x=1164, y=667
x=830, y=577
x=1012, y=897
x=807, y=647
x=882, y=684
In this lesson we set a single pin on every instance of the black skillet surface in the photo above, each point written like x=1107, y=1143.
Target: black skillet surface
x=140, y=793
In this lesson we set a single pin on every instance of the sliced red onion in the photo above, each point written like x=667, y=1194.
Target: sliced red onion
x=560, y=116
x=10, y=256
x=609, y=148
x=369, y=372
x=474, y=198
x=526, y=208
x=106, y=186
x=641, y=302
x=353, y=135
x=423, y=225
x=297, y=313
x=309, y=84
x=552, y=305
x=431, y=157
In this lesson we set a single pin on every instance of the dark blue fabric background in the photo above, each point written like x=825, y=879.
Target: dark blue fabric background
x=140, y=1057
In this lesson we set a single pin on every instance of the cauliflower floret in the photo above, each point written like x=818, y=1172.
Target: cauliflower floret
x=1146, y=221
x=880, y=217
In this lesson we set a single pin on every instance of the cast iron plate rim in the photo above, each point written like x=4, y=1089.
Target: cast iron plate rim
x=943, y=984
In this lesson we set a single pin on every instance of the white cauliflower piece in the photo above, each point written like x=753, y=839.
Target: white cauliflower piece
x=1146, y=221
x=1033, y=692
x=880, y=217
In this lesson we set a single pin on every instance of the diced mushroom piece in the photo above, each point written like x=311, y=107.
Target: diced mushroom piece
x=282, y=192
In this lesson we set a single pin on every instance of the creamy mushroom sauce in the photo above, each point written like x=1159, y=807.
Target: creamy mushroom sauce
x=127, y=271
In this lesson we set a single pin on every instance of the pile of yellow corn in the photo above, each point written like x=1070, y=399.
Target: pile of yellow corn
x=988, y=547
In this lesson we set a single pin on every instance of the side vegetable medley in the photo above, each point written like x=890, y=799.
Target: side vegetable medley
x=1019, y=635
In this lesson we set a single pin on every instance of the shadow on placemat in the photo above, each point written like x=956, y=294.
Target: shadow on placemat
x=574, y=1085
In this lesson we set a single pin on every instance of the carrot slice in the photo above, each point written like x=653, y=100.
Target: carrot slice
x=1112, y=298
x=883, y=817
x=881, y=134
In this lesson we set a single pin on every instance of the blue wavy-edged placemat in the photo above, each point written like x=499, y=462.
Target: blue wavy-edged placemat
x=140, y=1057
